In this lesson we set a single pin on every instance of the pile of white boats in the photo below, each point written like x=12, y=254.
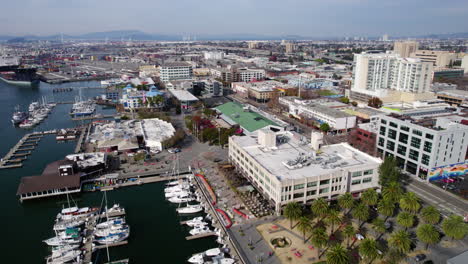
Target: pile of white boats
x=182, y=192
x=38, y=111
x=70, y=232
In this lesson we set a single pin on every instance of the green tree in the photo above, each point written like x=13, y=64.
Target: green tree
x=369, y=249
x=428, y=234
x=361, y=212
x=400, y=241
x=292, y=211
x=346, y=201
x=319, y=239
x=410, y=202
x=324, y=127
x=405, y=219
x=392, y=191
x=349, y=232
x=430, y=215
x=386, y=207
x=333, y=217
x=344, y=100
x=454, y=227
x=337, y=255
x=370, y=197
x=375, y=102
x=304, y=226
x=378, y=225
x=320, y=207
x=389, y=171
x=354, y=103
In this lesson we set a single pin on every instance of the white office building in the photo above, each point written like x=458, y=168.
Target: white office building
x=425, y=148
x=213, y=55
x=175, y=71
x=285, y=168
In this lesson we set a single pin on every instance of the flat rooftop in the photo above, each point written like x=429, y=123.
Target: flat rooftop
x=329, y=111
x=235, y=113
x=183, y=95
x=333, y=158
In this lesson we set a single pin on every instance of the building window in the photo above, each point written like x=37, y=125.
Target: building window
x=382, y=131
x=415, y=142
x=429, y=136
x=404, y=128
x=322, y=182
x=427, y=146
x=356, y=174
x=365, y=180
x=312, y=184
x=381, y=142
x=425, y=159
x=403, y=138
x=324, y=190
x=298, y=186
x=383, y=121
x=401, y=150
x=368, y=172
x=309, y=193
x=417, y=132
x=413, y=154
x=298, y=195
x=390, y=145
x=392, y=134
x=393, y=124
x=354, y=182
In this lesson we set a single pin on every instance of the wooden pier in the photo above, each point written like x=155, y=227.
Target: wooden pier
x=201, y=235
x=7, y=162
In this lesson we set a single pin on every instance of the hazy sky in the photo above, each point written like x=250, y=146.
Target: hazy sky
x=315, y=18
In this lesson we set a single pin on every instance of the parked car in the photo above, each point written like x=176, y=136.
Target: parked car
x=420, y=257
x=448, y=180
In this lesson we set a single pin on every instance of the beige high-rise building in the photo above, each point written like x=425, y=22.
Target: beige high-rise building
x=439, y=58
x=405, y=48
x=252, y=44
x=290, y=47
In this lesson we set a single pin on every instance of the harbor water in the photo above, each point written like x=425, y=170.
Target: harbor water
x=156, y=234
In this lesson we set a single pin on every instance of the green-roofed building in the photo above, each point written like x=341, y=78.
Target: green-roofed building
x=250, y=121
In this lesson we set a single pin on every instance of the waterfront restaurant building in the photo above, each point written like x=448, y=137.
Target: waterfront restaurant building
x=285, y=167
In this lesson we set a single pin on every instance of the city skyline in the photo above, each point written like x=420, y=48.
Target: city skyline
x=345, y=18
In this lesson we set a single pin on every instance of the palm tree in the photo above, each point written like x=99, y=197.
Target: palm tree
x=430, y=215
x=337, y=255
x=361, y=212
x=405, y=219
x=346, y=201
x=370, y=197
x=304, y=226
x=379, y=226
x=428, y=234
x=320, y=207
x=349, y=232
x=386, y=207
x=368, y=249
x=392, y=192
x=333, y=218
x=454, y=227
x=410, y=202
x=319, y=238
x=400, y=241
x=292, y=211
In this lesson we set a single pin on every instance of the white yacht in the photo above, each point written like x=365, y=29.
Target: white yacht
x=58, y=241
x=111, y=230
x=200, y=258
x=111, y=222
x=197, y=221
x=59, y=226
x=191, y=209
x=177, y=194
x=181, y=199
x=199, y=230
x=64, y=257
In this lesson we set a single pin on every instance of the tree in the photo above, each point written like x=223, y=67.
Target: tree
x=349, y=232
x=405, y=219
x=370, y=197
x=427, y=234
x=337, y=255
x=325, y=127
x=304, y=226
x=333, y=217
x=361, y=212
x=345, y=100
x=379, y=226
x=454, y=227
x=346, y=201
x=410, y=202
x=320, y=207
x=430, y=215
x=389, y=171
x=400, y=241
x=354, y=103
x=392, y=192
x=292, y=211
x=291, y=61
x=386, y=207
x=319, y=238
x=368, y=249
x=375, y=102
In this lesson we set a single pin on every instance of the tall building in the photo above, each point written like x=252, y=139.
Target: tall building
x=428, y=149
x=385, y=37
x=175, y=71
x=439, y=58
x=252, y=44
x=290, y=47
x=464, y=63
x=405, y=48
x=284, y=168
x=212, y=55
x=380, y=74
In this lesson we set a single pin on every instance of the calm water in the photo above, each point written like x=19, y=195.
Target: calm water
x=156, y=235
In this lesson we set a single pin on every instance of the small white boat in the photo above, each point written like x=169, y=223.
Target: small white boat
x=179, y=199
x=111, y=222
x=64, y=257
x=201, y=258
x=58, y=241
x=67, y=247
x=114, y=209
x=191, y=209
x=199, y=230
x=113, y=238
x=111, y=231
x=68, y=224
x=197, y=221
x=177, y=193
